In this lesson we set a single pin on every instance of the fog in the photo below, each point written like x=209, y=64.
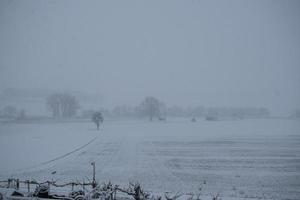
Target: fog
x=210, y=53
x=150, y=100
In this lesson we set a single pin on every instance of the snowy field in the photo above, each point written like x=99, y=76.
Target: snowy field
x=245, y=159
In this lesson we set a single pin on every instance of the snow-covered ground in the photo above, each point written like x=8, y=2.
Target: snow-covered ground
x=245, y=159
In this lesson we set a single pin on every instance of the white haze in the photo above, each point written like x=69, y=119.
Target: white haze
x=211, y=53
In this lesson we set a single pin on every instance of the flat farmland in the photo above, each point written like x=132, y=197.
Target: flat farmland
x=251, y=159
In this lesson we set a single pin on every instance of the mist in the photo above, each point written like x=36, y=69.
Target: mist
x=149, y=100
x=210, y=53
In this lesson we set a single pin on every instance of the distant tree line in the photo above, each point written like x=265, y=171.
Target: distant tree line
x=152, y=108
x=12, y=113
x=65, y=105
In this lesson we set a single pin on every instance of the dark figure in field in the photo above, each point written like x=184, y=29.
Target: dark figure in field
x=97, y=119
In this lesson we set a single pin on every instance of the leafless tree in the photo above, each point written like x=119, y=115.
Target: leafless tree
x=9, y=112
x=53, y=104
x=97, y=119
x=150, y=107
x=69, y=105
x=62, y=105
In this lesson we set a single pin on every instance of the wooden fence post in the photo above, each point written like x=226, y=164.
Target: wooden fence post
x=94, y=175
x=28, y=185
x=8, y=185
x=49, y=186
x=18, y=184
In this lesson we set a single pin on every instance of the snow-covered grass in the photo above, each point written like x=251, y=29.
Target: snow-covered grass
x=249, y=158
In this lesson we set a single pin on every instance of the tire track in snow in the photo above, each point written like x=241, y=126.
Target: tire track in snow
x=120, y=166
x=106, y=160
x=39, y=166
x=116, y=158
x=152, y=165
x=165, y=172
x=67, y=154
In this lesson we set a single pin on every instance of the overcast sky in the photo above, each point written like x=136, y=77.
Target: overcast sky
x=211, y=53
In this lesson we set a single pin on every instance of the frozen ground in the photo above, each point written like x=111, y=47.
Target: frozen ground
x=243, y=159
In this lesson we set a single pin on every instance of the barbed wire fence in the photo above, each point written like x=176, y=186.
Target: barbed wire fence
x=90, y=190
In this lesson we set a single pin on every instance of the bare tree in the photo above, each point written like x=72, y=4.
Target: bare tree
x=53, y=104
x=97, y=119
x=68, y=105
x=62, y=105
x=150, y=107
x=9, y=112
